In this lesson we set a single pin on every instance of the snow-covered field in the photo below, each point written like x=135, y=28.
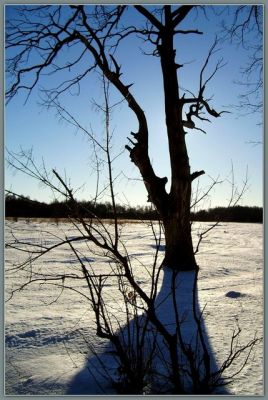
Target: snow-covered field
x=50, y=333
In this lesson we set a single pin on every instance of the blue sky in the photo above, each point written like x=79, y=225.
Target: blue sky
x=68, y=150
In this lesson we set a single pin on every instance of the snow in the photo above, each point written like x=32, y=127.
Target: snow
x=51, y=347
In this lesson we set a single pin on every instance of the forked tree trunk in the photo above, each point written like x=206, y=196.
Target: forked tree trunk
x=173, y=207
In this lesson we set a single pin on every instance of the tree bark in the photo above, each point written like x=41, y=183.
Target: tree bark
x=176, y=214
x=179, y=254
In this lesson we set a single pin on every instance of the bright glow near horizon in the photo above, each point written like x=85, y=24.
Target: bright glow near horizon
x=66, y=149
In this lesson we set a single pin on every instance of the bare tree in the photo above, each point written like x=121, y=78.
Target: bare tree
x=37, y=37
x=246, y=31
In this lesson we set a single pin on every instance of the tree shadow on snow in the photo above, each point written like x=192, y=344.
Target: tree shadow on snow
x=159, y=247
x=100, y=369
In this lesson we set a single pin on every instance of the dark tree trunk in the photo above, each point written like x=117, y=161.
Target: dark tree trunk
x=176, y=212
x=179, y=254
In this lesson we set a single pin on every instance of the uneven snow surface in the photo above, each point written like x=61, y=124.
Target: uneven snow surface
x=50, y=333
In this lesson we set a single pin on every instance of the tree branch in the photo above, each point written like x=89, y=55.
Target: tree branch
x=179, y=14
x=154, y=21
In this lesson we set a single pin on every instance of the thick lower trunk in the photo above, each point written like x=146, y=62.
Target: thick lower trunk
x=179, y=254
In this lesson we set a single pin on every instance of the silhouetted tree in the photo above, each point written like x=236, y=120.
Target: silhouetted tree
x=36, y=40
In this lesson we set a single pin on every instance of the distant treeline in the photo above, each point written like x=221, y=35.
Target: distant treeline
x=230, y=214
x=24, y=207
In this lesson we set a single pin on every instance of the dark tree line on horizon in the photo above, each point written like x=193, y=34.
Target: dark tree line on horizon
x=24, y=207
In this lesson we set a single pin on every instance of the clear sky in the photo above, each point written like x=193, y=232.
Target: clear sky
x=67, y=149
